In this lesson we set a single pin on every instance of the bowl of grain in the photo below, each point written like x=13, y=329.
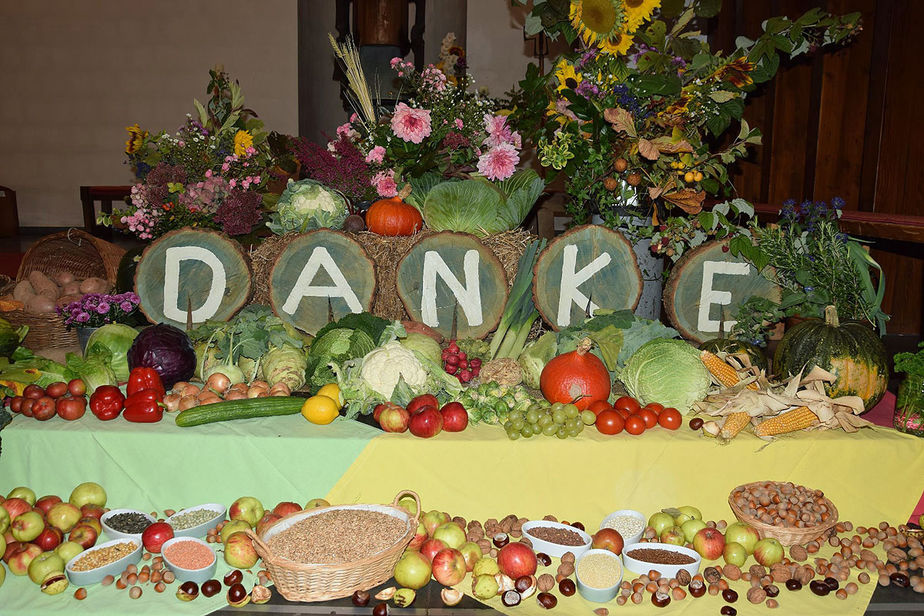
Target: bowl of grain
x=109, y=558
x=664, y=558
x=630, y=524
x=196, y=521
x=555, y=538
x=191, y=559
x=598, y=573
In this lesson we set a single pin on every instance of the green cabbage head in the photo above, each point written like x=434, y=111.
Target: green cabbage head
x=307, y=205
x=666, y=371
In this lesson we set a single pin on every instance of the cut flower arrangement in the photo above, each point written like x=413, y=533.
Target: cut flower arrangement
x=98, y=309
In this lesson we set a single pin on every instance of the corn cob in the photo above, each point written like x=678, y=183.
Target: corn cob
x=790, y=421
x=734, y=423
x=726, y=375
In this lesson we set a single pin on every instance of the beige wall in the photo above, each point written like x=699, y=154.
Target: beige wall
x=497, y=54
x=74, y=74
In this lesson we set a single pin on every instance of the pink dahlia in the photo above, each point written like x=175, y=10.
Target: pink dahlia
x=385, y=185
x=376, y=155
x=499, y=132
x=499, y=162
x=411, y=124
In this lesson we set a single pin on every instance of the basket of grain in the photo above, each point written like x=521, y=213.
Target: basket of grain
x=54, y=271
x=331, y=552
x=790, y=513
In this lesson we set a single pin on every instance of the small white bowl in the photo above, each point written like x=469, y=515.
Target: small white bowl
x=115, y=534
x=668, y=571
x=555, y=549
x=629, y=513
x=200, y=530
x=189, y=575
x=592, y=593
x=93, y=576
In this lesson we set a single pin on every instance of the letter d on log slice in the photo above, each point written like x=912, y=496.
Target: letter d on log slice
x=320, y=269
x=587, y=265
x=707, y=284
x=204, y=270
x=448, y=272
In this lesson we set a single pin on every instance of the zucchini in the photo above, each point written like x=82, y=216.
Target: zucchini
x=239, y=409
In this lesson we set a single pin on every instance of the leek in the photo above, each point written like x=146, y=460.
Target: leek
x=520, y=311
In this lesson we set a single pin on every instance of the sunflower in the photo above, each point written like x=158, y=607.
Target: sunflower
x=242, y=141
x=136, y=138
x=568, y=78
x=618, y=44
x=599, y=22
x=638, y=12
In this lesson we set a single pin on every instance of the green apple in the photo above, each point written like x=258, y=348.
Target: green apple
x=232, y=527
x=2, y=544
x=412, y=570
x=68, y=550
x=660, y=522
x=4, y=520
x=27, y=494
x=88, y=493
x=2, y=573
x=691, y=527
x=743, y=534
x=451, y=534
x=735, y=554
x=673, y=535
x=45, y=564
x=246, y=508
x=690, y=511
x=768, y=551
x=408, y=503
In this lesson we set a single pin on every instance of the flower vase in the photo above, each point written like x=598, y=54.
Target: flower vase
x=83, y=336
x=909, y=406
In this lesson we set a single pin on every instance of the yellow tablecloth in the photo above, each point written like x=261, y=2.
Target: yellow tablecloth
x=873, y=475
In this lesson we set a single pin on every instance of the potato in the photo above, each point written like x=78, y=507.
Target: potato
x=64, y=300
x=63, y=278
x=44, y=285
x=40, y=303
x=71, y=288
x=94, y=285
x=23, y=291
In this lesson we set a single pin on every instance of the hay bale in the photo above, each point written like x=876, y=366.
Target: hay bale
x=385, y=252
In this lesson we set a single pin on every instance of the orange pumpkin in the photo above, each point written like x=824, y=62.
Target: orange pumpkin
x=393, y=217
x=579, y=377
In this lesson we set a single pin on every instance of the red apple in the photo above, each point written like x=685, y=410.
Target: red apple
x=394, y=419
x=12, y=546
x=426, y=422
x=91, y=510
x=46, y=502
x=86, y=536
x=20, y=559
x=709, y=543
x=431, y=547
x=608, y=539
x=449, y=567
x=455, y=417
x=92, y=522
x=419, y=537
x=268, y=518
x=239, y=551
x=421, y=401
x=768, y=552
x=380, y=408
x=286, y=507
x=471, y=552
x=63, y=516
x=76, y=387
x=516, y=560
x=433, y=519
x=71, y=408
x=49, y=538
x=155, y=535
x=246, y=508
x=15, y=507
x=43, y=409
x=27, y=526
x=412, y=570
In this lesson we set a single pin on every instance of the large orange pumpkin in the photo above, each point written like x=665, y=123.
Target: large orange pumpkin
x=393, y=217
x=579, y=377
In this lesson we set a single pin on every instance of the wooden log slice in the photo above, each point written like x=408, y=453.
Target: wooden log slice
x=191, y=268
x=707, y=284
x=453, y=273
x=319, y=273
x=589, y=264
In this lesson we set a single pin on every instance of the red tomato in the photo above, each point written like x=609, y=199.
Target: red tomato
x=609, y=422
x=650, y=417
x=628, y=404
x=670, y=418
x=654, y=406
x=623, y=413
x=635, y=425
x=599, y=405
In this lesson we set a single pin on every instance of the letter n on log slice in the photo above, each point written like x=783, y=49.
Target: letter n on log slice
x=587, y=265
x=706, y=285
x=453, y=273
x=204, y=271
x=317, y=273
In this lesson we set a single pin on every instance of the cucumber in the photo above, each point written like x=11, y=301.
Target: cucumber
x=239, y=409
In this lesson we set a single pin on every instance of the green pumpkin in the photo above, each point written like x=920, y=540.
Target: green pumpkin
x=736, y=347
x=851, y=351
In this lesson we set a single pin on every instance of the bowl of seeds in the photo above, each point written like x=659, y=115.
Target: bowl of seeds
x=196, y=521
x=598, y=573
x=665, y=558
x=125, y=523
x=630, y=524
x=110, y=558
x=555, y=538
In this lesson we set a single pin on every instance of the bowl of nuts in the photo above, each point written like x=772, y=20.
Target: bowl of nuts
x=630, y=524
x=109, y=558
x=555, y=538
x=196, y=521
x=598, y=573
x=125, y=523
x=665, y=558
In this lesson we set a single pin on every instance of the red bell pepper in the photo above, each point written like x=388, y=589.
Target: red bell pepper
x=107, y=402
x=145, y=406
x=144, y=378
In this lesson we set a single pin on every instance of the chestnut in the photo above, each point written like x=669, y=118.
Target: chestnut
x=728, y=610
x=696, y=423
x=772, y=590
x=544, y=559
x=238, y=595
x=525, y=585
x=360, y=598
x=233, y=577
x=501, y=539
x=793, y=584
x=730, y=595
x=567, y=587
x=511, y=598
x=547, y=600
x=660, y=599
x=380, y=609
x=819, y=588
x=187, y=591
x=697, y=588
x=210, y=588
x=831, y=583
x=577, y=525
x=900, y=579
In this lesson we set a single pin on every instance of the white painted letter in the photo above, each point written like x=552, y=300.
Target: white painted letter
x=709, y=296
x=468, y=296
x=303, y=288
x=173, y=257
x=571, y=280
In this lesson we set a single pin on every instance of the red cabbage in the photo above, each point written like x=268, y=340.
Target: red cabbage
x=166, y=349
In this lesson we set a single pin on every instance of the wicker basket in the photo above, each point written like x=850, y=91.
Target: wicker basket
x=73, y=251
x=319, y=582
x=786, y=535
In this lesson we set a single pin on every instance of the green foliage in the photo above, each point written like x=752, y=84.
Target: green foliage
x=911, y=363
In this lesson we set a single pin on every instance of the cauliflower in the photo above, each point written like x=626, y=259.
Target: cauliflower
x=382, y=367
x=307, y=205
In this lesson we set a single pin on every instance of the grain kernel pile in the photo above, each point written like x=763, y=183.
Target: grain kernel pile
x=104, y=556
x=338, y=536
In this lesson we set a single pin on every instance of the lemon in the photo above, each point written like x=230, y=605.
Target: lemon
x=333, y=392
x=320, y=410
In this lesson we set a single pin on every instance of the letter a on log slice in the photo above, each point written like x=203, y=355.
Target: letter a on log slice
x=190, y=269
x=448, y=274
x=707, y=284
x=320, y=272
x=587, y=265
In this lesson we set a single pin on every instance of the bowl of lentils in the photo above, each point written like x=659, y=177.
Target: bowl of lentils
x=125, y=523
x=196, y=521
